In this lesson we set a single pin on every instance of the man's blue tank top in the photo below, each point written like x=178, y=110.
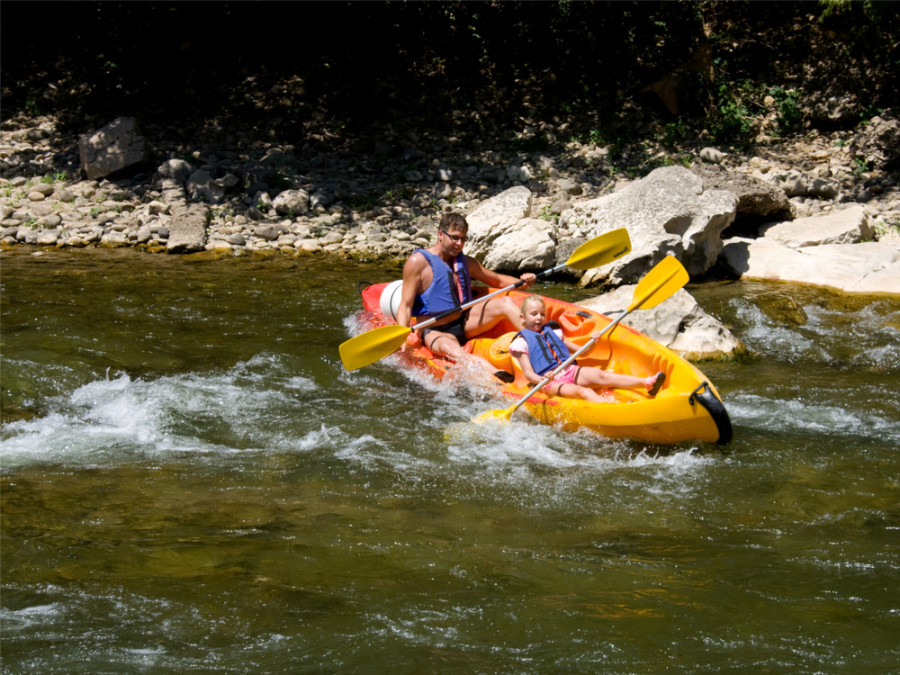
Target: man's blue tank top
x=442, y=295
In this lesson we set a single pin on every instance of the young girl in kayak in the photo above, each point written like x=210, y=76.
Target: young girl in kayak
x=539, y=349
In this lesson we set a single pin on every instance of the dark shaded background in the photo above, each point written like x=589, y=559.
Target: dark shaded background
x=358, y=65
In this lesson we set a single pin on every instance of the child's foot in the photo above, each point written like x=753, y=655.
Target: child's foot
x=503, y=376
x=655, y=383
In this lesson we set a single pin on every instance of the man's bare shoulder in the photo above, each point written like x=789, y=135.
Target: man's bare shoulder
x=416, y=259
x=416, y=266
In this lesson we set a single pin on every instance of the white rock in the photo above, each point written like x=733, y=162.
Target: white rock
x=847, y=226
x=47, y=237
x=712, y=155
x=116, y=146
x=496, y=216
x=292, y=202
x=521, y=174
x=869, y=267
x=679, y=323
x=529, y=247
x=666, y=212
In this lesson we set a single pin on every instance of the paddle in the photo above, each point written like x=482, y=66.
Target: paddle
x=377, y=343
x=659, y=283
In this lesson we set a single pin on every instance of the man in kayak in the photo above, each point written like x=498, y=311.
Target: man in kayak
x=539, y=349
x=439, y=278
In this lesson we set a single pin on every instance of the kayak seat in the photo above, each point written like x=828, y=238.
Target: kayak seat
x=575, y=324
x=498, y=353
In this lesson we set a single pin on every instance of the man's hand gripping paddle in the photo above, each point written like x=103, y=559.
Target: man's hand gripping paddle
x=377, y=343
x=659, y=284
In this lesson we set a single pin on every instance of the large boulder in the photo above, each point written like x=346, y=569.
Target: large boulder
x=846, y=226
x=679, y=323
x=496, y=217
x=529, y=247
x=117, y=146
x=757, y=200
x=667, y=212
x=869, y=267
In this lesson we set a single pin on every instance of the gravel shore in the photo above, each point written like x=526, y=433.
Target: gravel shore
x=371, y=198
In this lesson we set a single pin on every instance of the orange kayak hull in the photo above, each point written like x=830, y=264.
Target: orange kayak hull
x=688, y=407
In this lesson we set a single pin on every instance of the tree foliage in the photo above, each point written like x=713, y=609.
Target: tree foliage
x=363, y=63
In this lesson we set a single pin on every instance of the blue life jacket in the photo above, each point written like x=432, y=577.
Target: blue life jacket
x=541, y=348
x=442, y=295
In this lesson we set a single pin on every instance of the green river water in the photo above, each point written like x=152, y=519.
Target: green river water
x=191, y=482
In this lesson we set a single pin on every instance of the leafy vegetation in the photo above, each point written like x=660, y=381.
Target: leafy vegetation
x=450, y=66
x=548, y=215
x=789, y=115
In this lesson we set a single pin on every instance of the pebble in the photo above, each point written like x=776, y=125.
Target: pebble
x=306, y=199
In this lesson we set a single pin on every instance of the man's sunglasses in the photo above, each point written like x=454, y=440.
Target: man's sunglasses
x=455, y=237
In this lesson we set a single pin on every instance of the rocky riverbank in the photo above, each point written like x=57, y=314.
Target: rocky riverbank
x=234, y=194
x=377, y=198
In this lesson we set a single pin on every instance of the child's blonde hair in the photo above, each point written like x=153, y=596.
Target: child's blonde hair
x=531, y=300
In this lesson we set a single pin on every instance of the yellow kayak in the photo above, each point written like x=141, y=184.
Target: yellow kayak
x=688, y=407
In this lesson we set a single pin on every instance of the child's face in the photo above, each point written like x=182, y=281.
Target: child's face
x=534, y=316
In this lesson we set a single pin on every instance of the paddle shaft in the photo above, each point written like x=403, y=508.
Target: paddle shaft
x=485, y=298
x=660, y=283
x=553, y=373
x=377, y=343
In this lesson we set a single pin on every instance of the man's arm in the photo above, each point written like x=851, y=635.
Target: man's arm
x=412, y=279
x=495, y=279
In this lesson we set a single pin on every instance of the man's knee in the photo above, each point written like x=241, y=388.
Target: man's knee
x=514, y=307
x=444, y=343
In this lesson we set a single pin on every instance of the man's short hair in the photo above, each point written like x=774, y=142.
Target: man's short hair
x=453, y=221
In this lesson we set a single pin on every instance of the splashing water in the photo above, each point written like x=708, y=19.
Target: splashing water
x=191, y=481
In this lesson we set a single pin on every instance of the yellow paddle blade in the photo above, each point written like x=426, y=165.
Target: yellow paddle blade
x=501, y=416
x=601, y=250
x=372, y=345
x=659, y=283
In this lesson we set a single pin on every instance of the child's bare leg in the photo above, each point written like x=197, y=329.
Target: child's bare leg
x=595, y=377
x=569, y=390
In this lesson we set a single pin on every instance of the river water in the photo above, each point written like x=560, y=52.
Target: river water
x=192, y=482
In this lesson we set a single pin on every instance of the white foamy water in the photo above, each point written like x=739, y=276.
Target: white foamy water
x=810, y=414
x=226, y=462
x=258, y=407
x=119, y=417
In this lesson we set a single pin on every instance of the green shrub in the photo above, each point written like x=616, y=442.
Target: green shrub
x=673, y=133
x=548, y=215
x=731, y=120
x=789, y=117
